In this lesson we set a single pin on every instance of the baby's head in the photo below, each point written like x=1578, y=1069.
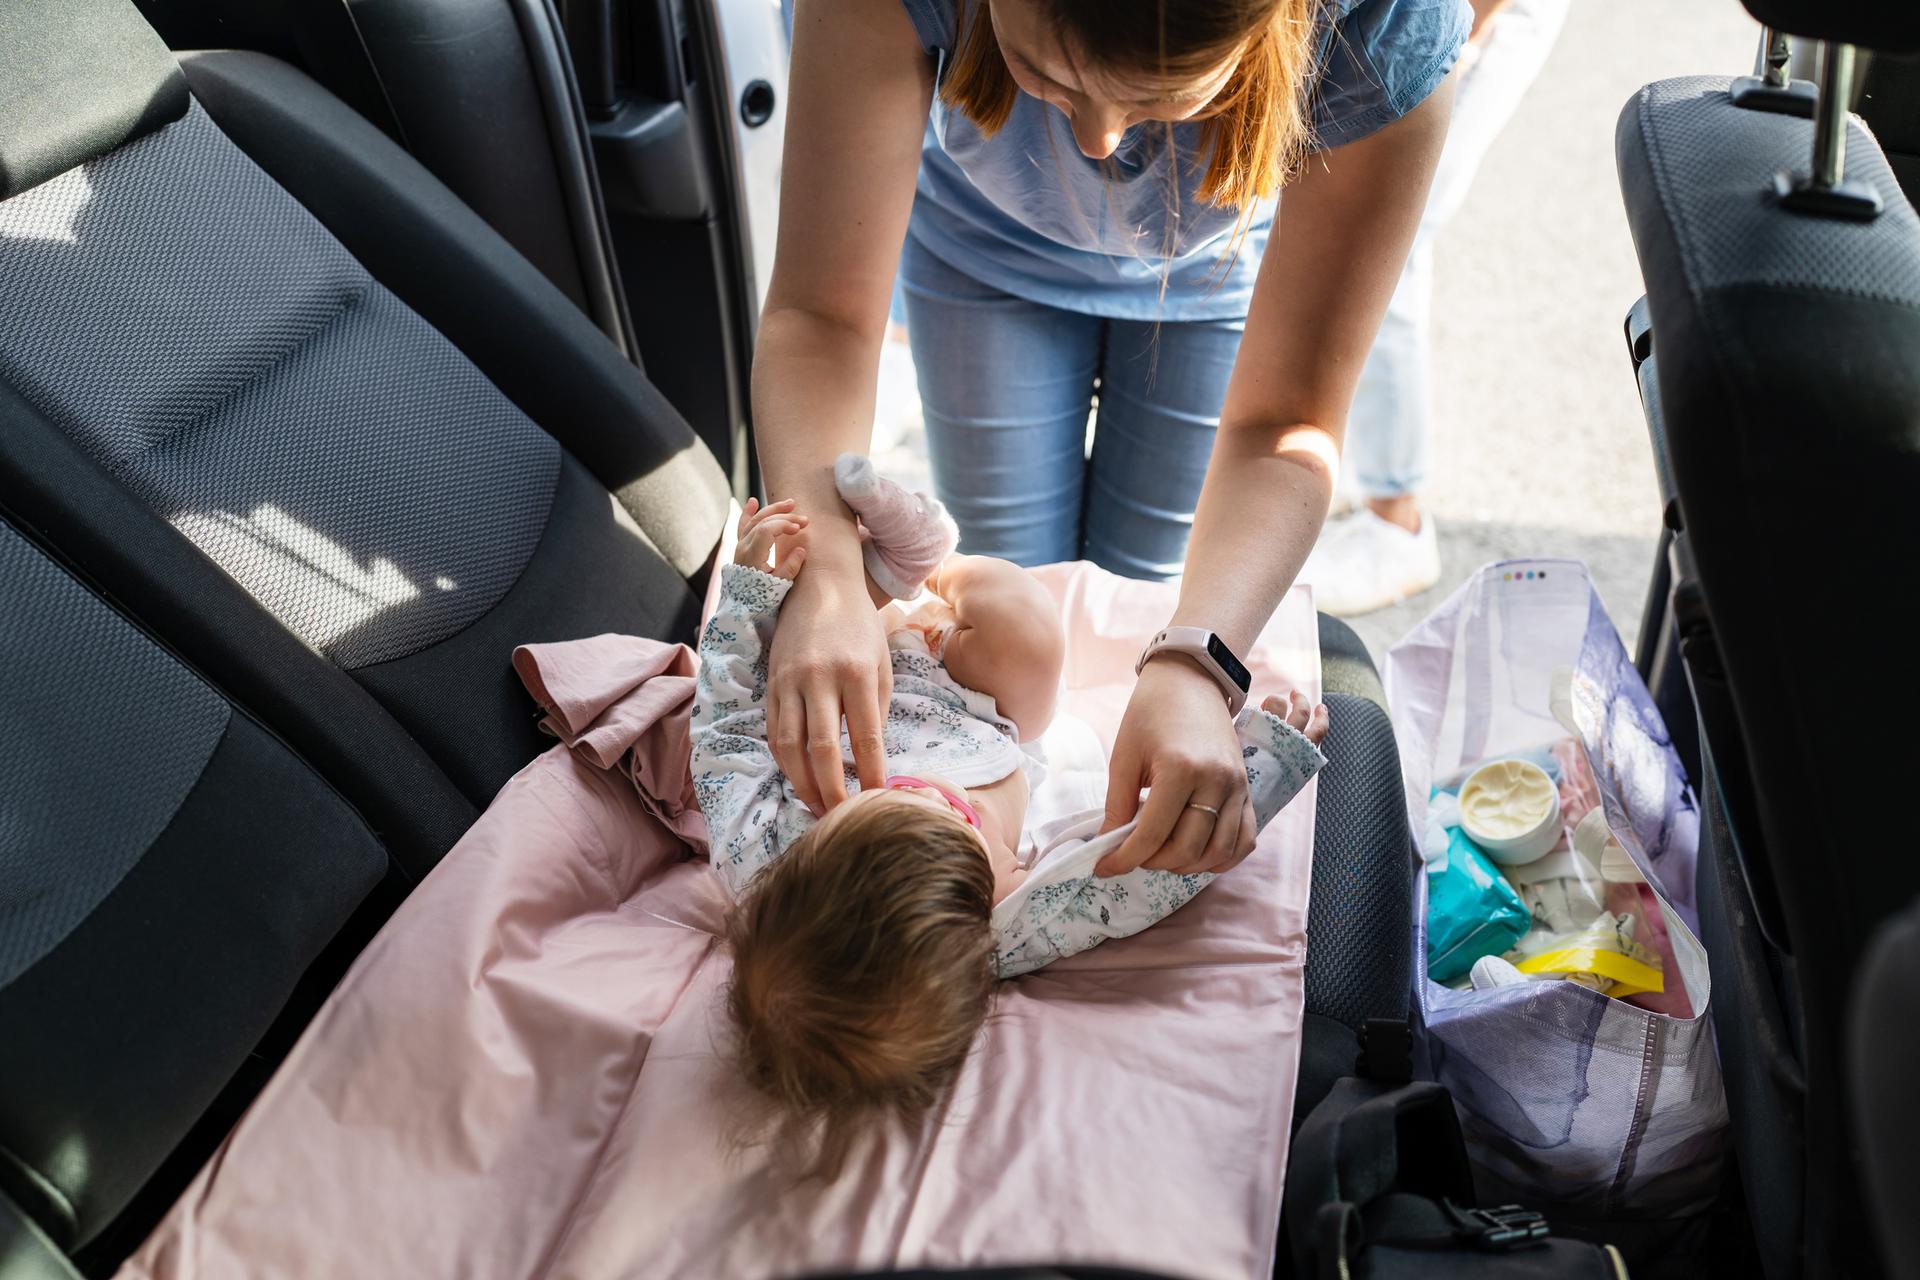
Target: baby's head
x=863, y=966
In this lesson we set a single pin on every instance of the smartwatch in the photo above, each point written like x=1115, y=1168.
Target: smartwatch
x=1211, y=652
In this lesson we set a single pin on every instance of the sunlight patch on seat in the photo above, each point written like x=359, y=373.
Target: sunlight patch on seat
x=304, y=578
x=48, y=211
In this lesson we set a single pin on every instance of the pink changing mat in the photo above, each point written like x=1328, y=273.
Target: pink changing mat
x=524, y=1075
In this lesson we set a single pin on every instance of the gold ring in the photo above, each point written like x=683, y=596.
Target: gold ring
x=1204, y=808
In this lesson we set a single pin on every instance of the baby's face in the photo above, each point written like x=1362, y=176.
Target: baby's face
x=1007, y=872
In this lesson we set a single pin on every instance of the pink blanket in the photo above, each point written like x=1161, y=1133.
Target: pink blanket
x=522, y=1075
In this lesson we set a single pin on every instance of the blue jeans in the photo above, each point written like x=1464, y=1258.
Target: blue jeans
x=1390, y=427
x=1006, y=387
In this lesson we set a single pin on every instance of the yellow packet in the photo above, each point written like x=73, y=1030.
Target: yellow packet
x=1603, y=951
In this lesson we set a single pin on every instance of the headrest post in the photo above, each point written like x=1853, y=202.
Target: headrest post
x=1825, y=191
x=1830, y=115
x=1776, y=50
x=1772, y=87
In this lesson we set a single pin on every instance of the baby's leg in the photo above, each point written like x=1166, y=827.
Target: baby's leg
x=1006, y=641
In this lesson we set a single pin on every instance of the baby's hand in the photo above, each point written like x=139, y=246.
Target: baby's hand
x=771, y=534
x=1309, y=718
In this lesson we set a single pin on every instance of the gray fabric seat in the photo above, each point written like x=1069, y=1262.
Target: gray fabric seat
x=1787, y=397
x=182, y=327
x=168, y=873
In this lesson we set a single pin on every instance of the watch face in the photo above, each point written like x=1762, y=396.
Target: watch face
x=1228, y=663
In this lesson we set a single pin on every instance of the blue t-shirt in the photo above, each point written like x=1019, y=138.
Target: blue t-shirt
x=1027, y=213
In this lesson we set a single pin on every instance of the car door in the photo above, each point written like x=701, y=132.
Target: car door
x=685, y=102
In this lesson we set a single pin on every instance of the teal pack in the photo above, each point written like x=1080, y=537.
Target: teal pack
x=1471, y=911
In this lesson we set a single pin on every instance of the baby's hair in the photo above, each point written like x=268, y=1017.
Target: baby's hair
x=862, y=971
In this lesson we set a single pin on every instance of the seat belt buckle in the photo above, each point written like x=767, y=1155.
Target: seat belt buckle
x=1502, y=1229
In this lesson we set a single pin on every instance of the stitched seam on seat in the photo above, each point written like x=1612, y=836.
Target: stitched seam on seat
x=121, y=469
x=46, y=1188
x=1656, y=165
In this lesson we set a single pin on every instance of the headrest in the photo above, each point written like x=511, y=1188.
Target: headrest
x=77, y=79
x=1872, y=24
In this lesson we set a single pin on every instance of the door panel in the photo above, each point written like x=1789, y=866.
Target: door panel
x=686, y=103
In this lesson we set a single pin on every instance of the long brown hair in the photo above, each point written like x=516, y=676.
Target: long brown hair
x=1255, y=132
x=862, y=970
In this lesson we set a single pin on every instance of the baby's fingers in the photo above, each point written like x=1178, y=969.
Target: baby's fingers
x=1306, y=717
x=788, y=566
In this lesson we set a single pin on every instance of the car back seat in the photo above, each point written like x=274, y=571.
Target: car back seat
x=1786, y=414
x=340, y=386
x=272, y=393
x=155, y=840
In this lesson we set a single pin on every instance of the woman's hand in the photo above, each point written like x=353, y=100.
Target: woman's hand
x=1177, y=742
x=829, y=660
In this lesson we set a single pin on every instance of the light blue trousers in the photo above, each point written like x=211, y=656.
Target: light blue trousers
x=1390, y=427
x=1006, y=388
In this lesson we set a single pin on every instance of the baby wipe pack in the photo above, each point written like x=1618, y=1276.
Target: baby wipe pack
x=1568, y=1017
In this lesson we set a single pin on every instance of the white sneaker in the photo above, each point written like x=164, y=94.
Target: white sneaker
x=1363, y=563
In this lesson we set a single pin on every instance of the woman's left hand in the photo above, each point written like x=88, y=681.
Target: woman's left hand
x=1177, y=742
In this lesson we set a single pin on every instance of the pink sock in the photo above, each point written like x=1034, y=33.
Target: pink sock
x=909, y=534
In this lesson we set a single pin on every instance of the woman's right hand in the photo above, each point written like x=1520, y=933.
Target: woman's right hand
x=829, y=661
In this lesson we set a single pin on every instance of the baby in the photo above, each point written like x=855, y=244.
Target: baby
x=867, y=943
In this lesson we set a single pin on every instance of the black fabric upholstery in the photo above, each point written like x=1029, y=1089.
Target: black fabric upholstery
x=26, y=1252
x=117, y=1038
x=586, y=577
x=77, y=78
x=1360, y=914
x=1789, y=390
x=129, y=554
x=1889, y=101
x=69, y=835
x=1885, y=1053
x=446, y=263
x=1889, y=25
x=1759, y=1057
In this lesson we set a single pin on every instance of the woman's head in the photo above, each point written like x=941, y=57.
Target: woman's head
x=863, y=966
x=1242, y=66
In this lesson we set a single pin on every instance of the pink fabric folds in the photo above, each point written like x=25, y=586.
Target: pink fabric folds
x=623, y=702
x=526, y=1073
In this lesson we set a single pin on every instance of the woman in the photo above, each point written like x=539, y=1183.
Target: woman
x=1091, y=200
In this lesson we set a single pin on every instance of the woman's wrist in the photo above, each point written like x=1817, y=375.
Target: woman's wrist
x=1174, y=670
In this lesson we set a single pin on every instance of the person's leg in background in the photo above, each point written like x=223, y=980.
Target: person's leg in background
x=1386, y=548
x=1161, y=388
x=1005, y=388
x=896, y=396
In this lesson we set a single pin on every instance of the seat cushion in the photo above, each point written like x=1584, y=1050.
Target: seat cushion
x=168, y=872
x=221, y=354
x=78, y=77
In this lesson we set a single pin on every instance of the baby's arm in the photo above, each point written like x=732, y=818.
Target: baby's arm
x=750, y=815
x=1006, y=641
x=1077, y=915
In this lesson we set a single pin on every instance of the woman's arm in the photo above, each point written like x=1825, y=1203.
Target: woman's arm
x=1339, y=241
x=857, y=109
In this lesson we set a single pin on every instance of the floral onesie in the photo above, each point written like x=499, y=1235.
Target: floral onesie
x=936, y=726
